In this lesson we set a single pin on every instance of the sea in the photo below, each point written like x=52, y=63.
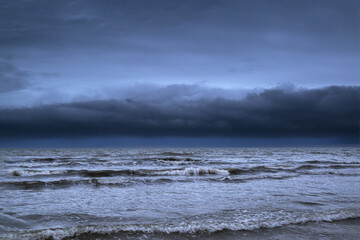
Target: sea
x=180, y=193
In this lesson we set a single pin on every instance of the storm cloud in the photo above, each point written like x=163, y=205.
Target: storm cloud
x=91, y=69
x=12, y=78
x=225, y=43
x=313, y=113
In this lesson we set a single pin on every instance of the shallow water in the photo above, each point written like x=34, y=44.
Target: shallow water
x=216, y=193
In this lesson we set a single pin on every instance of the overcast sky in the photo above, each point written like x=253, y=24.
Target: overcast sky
x=186, y=68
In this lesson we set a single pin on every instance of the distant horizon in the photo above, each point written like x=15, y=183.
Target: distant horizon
x=174, y=142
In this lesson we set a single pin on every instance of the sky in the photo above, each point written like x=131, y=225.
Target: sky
x=179, y=73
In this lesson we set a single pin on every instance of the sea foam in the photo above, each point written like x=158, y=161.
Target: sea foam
x=195, y=172
x=186, y=227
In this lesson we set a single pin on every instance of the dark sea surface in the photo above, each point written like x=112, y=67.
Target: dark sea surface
x=180, y=193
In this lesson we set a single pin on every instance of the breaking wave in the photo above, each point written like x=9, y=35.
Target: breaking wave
x=192, y=227
x=64, y=183
x=37, y=172
x=191, y=171
x=195, y=172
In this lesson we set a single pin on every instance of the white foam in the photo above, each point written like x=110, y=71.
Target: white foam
x=188, y=227
x=113, y=181
x=194, y=172
x=36, y=172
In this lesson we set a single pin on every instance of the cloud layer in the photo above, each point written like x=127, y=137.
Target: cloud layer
x=324, y=112
x=11, y=77
x=228, y=43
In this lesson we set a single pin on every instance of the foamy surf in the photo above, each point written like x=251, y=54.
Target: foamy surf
x=195, y=172
x=175, y=193
x=28, y=173
x=237, y=224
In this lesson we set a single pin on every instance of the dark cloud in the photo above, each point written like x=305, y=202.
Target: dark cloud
x=172, y=41
x=12, y=78
x=79, y=54
x=211, y=27
x=312, y=113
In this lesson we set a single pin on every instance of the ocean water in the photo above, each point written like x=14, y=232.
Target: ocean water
x=158, y=193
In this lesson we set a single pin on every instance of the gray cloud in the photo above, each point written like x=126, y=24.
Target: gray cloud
x=12, y=78
x=43, y=19
x=169, y=41
x=326, y=112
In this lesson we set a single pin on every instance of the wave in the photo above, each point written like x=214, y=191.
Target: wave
x=63, y=183
x=42, y=184
x=319, y=152
x=193, y=227
x=124, y=182
x=172, y=159
x=308, y=203
x=46, y=159
x=238, y=171
x=83, y=172
x=260, y=177
x=176, y=154
x=334, y=166
x=288, y=168
x=32, y=160
x=329, y=162
x=165, y=172
x=125, y=172
x=107, y=173
x=195, y=172
x=17, y=173
x=192, y=171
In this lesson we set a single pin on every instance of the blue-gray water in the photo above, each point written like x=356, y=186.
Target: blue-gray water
x=215, y=193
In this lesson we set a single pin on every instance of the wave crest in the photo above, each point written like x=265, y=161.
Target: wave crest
x=195, y=172
x=185, y=227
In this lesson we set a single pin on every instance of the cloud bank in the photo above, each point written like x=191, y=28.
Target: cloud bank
x=313, y=113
